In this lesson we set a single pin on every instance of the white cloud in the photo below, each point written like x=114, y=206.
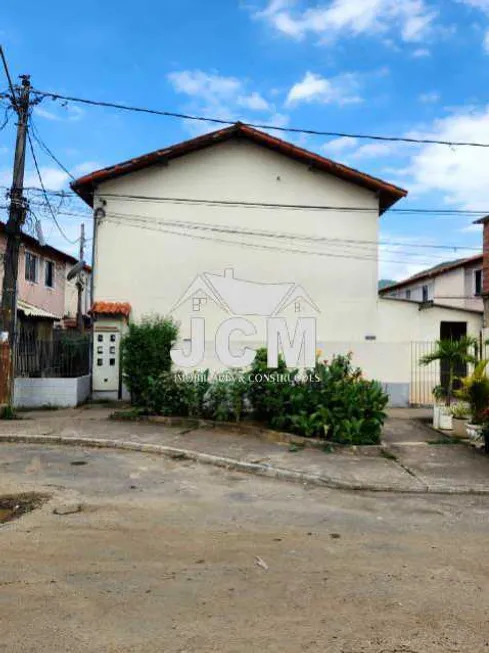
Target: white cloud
x=429, y=98
x=200, y=84
x=374, y=150
x=419, y=53
x=255, y=102
x=53, y=178
x=459, y=175
x=399, y=259
x=339, y=145
x=212, y=95
x=411, y=18
x=70, y=113
x=342, y=89
x=482, y=5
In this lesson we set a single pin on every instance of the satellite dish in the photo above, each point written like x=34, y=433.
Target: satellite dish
x=75, y=270
x=40, y=235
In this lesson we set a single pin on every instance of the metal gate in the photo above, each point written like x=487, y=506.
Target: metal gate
x=423, y=377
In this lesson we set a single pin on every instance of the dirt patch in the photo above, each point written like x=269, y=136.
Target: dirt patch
x=15, y=505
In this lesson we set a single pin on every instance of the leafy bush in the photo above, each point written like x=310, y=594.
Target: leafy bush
x=226, y=399
x=173, y=394
x=331, y=401
x=475, y=390
x=146, y=354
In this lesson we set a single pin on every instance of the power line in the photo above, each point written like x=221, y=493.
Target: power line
x=72, y=242
x=141, y=224
x=274, y=205
x=46, y=149
x=220, y=121
x=274, y=234
x=284, y=235
x=9, y=79
x=270, y=205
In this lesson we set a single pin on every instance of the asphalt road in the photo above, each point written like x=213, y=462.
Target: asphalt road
x=174, y=557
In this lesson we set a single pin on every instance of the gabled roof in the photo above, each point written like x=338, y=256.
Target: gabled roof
x=388, y=193
x=436, y=270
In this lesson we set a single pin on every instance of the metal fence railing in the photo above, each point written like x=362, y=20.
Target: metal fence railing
x=62, y=356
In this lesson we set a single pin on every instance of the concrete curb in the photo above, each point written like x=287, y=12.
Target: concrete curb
x=268, y=471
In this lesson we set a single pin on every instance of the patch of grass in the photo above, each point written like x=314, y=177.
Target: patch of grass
x=294, y=447
x=130, y=415
x=328, y=448
x=8, y=413
x=444, y=439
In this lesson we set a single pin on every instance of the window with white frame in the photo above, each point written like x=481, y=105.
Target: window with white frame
x=49, y=268
x=297, y=306
x=31, y=263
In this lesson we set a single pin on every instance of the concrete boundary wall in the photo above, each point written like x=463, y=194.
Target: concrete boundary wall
x=64, y=393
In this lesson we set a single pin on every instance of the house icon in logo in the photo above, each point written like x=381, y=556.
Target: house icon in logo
x=240, y=297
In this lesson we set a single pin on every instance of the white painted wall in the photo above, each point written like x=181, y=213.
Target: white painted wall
x=39, y=393
x=152, y=269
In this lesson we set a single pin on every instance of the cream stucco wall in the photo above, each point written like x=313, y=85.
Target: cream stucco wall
x=145, y=256
x=137, y=262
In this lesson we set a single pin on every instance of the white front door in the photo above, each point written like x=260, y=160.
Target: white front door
x=106, y=361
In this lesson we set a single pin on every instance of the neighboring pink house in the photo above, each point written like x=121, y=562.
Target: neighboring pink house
x=44, y=294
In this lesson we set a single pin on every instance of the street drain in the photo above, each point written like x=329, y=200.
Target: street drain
x=15, y=505
x=78, y=463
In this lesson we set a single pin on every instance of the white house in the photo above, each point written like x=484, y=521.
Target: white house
x=240, y=223
x=453, y=283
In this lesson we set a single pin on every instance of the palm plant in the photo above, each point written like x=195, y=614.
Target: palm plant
x=475, y=390
x=454, y=353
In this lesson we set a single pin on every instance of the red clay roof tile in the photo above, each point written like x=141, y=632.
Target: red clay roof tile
x=111, y=308
x=388, y=193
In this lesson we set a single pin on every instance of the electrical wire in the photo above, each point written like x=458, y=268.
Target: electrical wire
x=9, y=79
x=284, y=235
x=386, y=244
x=220, y=121
x=266, y=205
x=152, y=227
x=51, y=210
x=46, y=149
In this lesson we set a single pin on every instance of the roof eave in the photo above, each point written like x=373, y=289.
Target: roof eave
x=388, y=193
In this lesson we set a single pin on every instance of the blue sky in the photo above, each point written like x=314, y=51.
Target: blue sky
x=392, y=67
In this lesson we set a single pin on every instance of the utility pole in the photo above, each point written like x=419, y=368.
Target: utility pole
x=17, y=214
x=80, y=284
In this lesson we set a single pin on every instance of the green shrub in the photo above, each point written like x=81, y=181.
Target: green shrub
x=226, y=399
x=271, y=391
x=331, y=401
x=176, y=395
x=146, y=354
